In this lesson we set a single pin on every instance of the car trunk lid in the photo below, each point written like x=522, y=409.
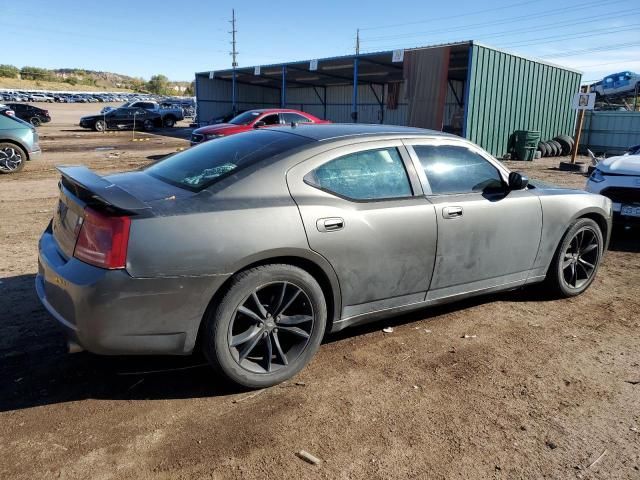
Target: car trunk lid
x=127, y=194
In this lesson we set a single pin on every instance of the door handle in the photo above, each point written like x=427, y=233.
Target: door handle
x=452, y=212
x=329, y=224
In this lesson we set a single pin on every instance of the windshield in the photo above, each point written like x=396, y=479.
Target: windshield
x=199, y=167
x=245, y=118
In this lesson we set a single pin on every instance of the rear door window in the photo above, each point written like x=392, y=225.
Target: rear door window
x=367, y=175
x=289, y=117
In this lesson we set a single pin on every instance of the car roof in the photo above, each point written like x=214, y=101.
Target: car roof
x=277, y=110
x=341, y=130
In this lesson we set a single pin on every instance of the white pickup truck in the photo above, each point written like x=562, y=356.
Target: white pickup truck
x=170, y=115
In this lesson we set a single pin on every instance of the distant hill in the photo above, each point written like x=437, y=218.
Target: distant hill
x=81, y=79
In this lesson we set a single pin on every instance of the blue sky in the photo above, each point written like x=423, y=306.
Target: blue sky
x=143, y=37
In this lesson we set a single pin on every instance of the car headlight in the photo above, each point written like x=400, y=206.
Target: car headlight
x=597, y=176
x=213, y=135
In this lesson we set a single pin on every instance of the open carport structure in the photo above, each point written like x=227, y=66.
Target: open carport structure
x=465, y=88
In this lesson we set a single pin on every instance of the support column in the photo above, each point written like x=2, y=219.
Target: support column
x=283, y=89
x=354, y=106
x=234, y=108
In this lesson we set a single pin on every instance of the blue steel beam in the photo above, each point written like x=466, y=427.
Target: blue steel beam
x=283, y=90
x=354, y=105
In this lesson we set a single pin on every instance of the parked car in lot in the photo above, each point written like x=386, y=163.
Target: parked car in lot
x=618, y=178
x=254, y=245
x=268, y=117
x=40, y=97
x=170, y=115
x=29, y=113
x=18, y=142
x=122, y=119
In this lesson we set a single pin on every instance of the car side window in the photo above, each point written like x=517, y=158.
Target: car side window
x=368, y=175
x=273, y=119
x=454, y=169
x=288, y=118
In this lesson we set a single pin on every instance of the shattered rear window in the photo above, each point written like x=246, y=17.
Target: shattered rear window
x=204, y=164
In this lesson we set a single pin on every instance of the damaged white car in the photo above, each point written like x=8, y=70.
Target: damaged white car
x=618, y=178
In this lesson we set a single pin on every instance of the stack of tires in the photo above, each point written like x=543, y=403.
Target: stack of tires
x=559, y=146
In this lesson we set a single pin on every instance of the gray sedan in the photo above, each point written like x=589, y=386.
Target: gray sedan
x=253, y=246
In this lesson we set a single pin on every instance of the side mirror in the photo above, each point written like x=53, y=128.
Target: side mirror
x=517, y=181
x=259, y=124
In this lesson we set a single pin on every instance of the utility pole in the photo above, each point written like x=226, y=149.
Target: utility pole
x=233, y=32
x=234, y=61
x=354, y=100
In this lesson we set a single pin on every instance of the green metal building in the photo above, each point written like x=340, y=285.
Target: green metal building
x=466, y=88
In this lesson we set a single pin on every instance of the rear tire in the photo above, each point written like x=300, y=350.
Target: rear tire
x=148, y=125
x=169, y=121
x=35, y=121
x=263, y=342
x=576, y=261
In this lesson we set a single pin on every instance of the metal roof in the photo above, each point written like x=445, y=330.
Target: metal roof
x=373, y=68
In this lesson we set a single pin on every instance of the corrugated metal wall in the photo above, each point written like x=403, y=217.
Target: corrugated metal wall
x=339, y=104
x=508, y=93
x=214, y=97
x=610, y=132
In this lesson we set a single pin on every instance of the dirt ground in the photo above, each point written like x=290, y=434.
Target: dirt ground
x=543, y=388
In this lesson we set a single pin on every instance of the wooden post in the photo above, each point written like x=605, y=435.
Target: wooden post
x=574, y=150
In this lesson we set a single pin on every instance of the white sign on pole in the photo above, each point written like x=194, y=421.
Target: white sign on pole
x=210, y=75
x=313, y=65
x=398, y=55
x=584, y=101
x=256, y=71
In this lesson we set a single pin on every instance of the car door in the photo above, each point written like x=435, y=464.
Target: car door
x=488, y=236
x=120, y=118
x=363, y=209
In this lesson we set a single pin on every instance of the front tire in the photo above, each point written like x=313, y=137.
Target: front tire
x=100, y=126
x=147, y=125
x=169, y=122
x=267, y=327
x=12, y=158
x=577, y=259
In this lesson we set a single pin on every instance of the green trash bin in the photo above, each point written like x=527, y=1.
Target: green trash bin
x=525, y=144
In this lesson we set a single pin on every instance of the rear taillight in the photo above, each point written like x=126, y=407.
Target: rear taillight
x=103, y=240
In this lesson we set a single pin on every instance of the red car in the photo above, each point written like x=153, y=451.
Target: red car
x=267, y=117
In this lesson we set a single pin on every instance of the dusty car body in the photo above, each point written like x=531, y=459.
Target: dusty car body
x=311, y=229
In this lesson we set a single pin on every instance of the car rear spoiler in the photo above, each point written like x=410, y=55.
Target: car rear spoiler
x=98, y=188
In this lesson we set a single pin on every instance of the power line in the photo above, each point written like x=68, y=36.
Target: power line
x=609, y=48
x=477, y=12
x=491, y=23
x=555, y=38
x=554, y=26
x=608, y=63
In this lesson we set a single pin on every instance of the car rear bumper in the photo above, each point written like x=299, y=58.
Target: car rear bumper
x=111, y=313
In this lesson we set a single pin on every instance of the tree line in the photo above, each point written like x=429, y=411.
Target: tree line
x=157, y=84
